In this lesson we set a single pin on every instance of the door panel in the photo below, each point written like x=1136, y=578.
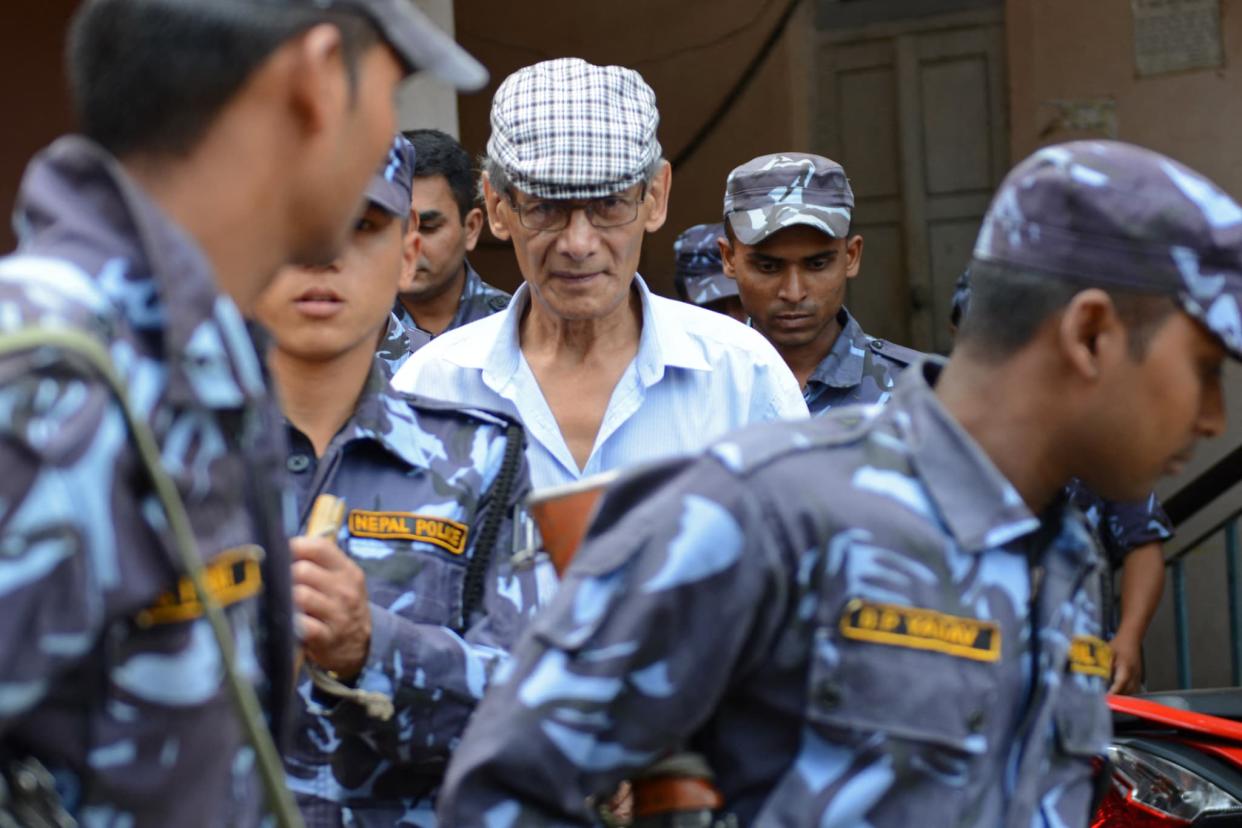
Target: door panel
x=915, y=111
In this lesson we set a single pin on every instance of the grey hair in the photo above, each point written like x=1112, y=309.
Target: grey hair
x=501, y=183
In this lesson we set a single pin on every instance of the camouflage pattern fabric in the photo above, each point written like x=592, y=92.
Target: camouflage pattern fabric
x=772, y=192
x=1121, y=527
x=416, y=477
x=699, y=277
x=110, y=678
x=902, y=643
x=1126, y=217
x=397, y=343
x=860, y=369
x=479, y=300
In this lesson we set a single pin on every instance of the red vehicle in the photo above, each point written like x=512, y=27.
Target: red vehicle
x=1176, y=760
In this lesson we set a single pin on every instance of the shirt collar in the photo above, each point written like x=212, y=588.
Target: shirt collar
x=843, y=366
x=981, y=509
x=663, y=343
x=472, y=285
x=84, y=191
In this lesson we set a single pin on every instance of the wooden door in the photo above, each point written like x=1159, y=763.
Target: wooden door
x=916, y=112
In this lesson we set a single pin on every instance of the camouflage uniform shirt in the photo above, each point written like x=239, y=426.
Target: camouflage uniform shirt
x=126, y=707
x=858, y=369
x=479, y=300
x=903, y=643
x=416, y=477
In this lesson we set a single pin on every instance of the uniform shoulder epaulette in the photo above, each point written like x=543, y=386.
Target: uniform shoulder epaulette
x=432, y=405
x=894, y=352
x=753, y=447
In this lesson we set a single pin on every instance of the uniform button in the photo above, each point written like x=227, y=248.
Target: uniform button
x=828, y=695
x=976, y=720
x=297, y=463
x=877, y=344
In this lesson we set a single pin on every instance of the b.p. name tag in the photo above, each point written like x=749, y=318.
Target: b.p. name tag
x=921, y=629
x=449, y=535
x=1091, y=656
x=232, y=576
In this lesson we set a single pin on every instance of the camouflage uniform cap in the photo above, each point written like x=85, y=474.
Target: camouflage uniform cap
x=772, y=192
x=567, y=129
x=700, y=272
x=391, y=186
x=419, y=43
x=1116, y=215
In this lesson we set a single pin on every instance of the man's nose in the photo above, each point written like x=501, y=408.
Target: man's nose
x=579, y=238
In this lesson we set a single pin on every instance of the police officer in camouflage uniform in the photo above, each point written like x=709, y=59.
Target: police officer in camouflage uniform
x=416, y=600
x=885, y=616
x=152, y=233
x=1130, y=535
x=788, y=244
x=440, y=289
x=699, y=277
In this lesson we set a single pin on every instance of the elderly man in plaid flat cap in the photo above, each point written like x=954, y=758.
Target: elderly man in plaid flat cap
x=602, y=372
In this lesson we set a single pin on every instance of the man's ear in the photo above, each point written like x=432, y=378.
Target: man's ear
x=727, y=256
x=498, y=223
x=657, y=196
x=853, y=255
x=319, y=83
x=1090, y=334
x=411, y=250
x=473, y=224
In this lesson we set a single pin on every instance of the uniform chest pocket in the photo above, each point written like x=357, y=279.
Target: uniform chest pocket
x=415, y=565
x=1082, y=719
x=914, y=675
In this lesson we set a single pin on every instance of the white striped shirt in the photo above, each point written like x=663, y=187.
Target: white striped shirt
x=697, y=375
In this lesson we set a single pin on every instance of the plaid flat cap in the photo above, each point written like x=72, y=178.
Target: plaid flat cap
x=390, y=187
x=566, y=128
x=772, y=192
x=1115, y=215
x=700, y=276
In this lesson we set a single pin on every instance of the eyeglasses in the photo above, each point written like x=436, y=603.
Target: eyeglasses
x=603, y=212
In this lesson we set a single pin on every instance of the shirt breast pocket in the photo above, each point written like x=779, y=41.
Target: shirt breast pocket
x=915, y=685
x=417, y=581
x=1082, y=719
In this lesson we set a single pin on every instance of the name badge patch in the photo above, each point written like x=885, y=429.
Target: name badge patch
x=921, y=629
x=1091, y=656
x=449, y=535
x=233, y=576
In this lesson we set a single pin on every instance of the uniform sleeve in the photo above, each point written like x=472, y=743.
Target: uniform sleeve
x=598, y=688
x=436, y=675
x=1131, y=525
x=60, y=526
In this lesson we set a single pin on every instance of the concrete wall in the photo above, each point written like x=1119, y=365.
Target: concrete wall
x=1071, y=50
x=692, y=53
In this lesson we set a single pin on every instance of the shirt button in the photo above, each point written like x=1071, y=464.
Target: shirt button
x=976, y=720
x=828, y=695
x=297, y=463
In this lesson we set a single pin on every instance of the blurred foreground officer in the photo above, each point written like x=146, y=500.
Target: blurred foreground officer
x=601, y=372
x=221, y=140
x=440, y=291
x=700, y=278
x=418, y=603
x=883, y=616
x=1130, y=534
x=788, y=244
